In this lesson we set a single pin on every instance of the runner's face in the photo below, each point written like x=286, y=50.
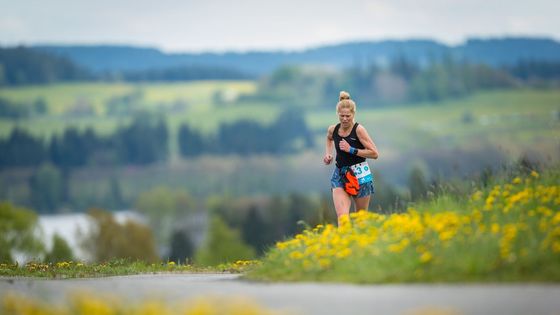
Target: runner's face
x=345, y=117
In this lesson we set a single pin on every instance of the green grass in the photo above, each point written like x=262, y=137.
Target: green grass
x=118, y=267
x=506, y=232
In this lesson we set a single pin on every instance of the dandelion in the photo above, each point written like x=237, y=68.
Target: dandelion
x=296, y=255
x=344, y=253
x=399, y=247
x=509, y=234
x=93, y=305
x=426, y=257
x=63, y=264
x=476, y=196
x=281, y=245
x=556, y=247
x=556, y=219
x=324, y=263
x=489, y=203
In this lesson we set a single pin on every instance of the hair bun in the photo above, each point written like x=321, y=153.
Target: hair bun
x=344, y=96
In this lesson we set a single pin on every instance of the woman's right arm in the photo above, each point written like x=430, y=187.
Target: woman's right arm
x=329, y=146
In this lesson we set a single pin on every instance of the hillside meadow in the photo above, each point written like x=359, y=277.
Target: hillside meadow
x=513, y=119
x=451, y=138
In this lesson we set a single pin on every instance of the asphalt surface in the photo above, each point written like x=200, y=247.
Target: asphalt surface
x=309, y=298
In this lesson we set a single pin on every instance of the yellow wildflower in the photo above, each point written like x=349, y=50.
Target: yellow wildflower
x=296, y=255
x=324, y=263
x=426, y=257
x=344, y=253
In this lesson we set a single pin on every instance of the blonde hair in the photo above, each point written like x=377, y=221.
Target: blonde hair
x=345, y=102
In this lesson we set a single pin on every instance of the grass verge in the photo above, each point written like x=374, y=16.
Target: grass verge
x=507, y=231
x=120, y=267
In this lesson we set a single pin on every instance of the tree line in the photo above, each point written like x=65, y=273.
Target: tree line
x=184, y=73
x=440, y=77
x=288, y=134
x=401, y=81
x=25, y=66
x=140, y=143
x=145, y=141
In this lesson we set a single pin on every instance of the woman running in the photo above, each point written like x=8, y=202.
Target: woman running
x=352, y=177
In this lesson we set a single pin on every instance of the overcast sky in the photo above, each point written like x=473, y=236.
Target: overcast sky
x=220, y=25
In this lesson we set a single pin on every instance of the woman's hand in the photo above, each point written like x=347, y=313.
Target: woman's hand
x=344, y=146
x=327, y=159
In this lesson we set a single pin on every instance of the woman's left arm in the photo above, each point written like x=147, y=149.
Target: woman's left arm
x=370, y=151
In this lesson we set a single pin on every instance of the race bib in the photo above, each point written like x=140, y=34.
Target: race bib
x=362, y=172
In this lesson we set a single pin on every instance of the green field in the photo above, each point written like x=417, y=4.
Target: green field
x=514, y=120
x=506, y=116
x=196, y=100
x=61, y=97
x=511, y=118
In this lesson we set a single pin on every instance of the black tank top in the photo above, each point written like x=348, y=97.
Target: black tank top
x=344, y=158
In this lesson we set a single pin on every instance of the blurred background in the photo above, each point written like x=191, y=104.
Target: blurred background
x=194, y=131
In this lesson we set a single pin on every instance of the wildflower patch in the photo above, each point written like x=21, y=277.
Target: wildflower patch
x=503, y=233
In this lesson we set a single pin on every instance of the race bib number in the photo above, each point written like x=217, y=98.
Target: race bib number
x=362, y=172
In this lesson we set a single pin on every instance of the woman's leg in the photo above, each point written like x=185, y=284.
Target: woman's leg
x=342, y=203
x=362, y=203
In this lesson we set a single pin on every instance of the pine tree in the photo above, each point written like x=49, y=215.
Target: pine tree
x=255, y=231
x=60, y=251
x=182, y=248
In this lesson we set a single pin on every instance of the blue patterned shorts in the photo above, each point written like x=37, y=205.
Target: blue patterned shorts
x=337, y=181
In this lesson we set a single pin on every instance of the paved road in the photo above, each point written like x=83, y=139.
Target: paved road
x=311, y=298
